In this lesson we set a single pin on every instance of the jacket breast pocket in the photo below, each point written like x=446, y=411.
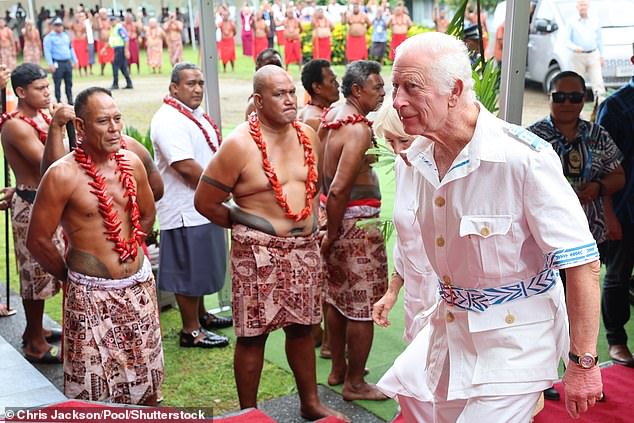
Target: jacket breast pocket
x=486, y=238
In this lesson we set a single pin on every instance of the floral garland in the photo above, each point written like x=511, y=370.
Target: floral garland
x=170, y=101
x=41, y=134
x=348, y=120
x=309, y=161
x=127, y=249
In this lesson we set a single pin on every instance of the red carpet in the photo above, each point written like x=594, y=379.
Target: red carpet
x=618, y=387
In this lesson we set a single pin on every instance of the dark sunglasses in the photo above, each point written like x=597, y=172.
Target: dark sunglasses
x=559, y=97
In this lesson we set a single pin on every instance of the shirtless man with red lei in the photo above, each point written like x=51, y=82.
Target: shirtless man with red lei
x=23, y=137
x=269, y=166
x=101, y=196
x=355, y=259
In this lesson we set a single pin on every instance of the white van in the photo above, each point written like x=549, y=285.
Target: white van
x=547, y=51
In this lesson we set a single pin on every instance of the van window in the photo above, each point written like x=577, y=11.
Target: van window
x=545, y=11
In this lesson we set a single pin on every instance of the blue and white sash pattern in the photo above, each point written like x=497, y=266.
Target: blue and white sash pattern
x=478, y=300
x=567, y=257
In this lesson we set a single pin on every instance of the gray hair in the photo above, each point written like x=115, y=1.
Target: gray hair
x=358, y=73
x=175, y=78
x=444, y=58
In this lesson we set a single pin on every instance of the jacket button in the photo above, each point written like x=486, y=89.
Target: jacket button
x=440, y=241
x=509, y=319
x=485, y=231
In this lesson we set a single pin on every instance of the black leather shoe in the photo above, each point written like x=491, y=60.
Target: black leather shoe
x=210, y=340
x=128, y=87
x=551, y=394
x=114, y=87
x=621, y=354
x=210, y=321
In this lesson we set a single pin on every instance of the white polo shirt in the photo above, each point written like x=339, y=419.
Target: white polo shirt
x=503, y=213
x=176, y=138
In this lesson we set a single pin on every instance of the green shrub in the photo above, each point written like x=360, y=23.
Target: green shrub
x=146, y=141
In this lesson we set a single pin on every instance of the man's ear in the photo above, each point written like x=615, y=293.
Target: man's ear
x=316, y=87
x=456, y=92
x=257, y=100
x=356, y=90
x=80, y=127
x=19, y=91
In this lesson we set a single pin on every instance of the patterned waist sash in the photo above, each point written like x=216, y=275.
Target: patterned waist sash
x=480, y=299
x=103, y=283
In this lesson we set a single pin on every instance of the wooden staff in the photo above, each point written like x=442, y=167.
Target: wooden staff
x=72, y=136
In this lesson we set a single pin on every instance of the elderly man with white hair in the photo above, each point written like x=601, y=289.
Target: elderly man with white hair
x=488, y=196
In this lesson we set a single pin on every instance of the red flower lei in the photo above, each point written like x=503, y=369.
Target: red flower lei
x=309, y=161
x=127, y=249
x=348, y=120
x=41, y=134
x=170, y=101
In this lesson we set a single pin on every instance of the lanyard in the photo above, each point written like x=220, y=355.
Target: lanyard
x=586, y=154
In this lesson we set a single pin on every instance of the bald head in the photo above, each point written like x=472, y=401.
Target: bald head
x=274, y=96
x=267, y=77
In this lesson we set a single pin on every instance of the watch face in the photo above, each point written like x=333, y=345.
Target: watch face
x=586, y=361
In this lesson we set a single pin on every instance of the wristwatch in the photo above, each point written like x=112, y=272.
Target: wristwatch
x=585, y=360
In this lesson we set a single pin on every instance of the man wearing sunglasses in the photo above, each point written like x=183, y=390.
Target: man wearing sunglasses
x=590, y=161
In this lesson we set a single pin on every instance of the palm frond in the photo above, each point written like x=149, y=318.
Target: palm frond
x=385, y=226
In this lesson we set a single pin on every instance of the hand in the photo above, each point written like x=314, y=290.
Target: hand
x=582, y=388
x=589, y=192
x=126, y=53
x=62, y=114
x=614, y=230
x=6, y=195
x=5, y=76
x=52, y=69
x=326, y=243
x=381, y=309
x=75, y=66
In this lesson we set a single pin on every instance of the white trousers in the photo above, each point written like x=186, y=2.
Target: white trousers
x=588, y=65
x=415, y=411
x=507, y=409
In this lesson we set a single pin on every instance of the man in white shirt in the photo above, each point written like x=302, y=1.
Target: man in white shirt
x=488, y=193
x=585, y=42
x=192, y=249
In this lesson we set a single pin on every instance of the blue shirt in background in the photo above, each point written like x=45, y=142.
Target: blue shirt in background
x=57, y=48
x=379, y=30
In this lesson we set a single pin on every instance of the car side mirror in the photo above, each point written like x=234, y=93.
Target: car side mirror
x=546, y=26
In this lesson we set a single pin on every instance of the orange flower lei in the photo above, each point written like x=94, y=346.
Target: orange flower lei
x=127, y=249
x=309, y=161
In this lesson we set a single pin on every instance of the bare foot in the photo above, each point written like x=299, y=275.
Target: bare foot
x=320, y=411
x=324, y=351
x=365, y=391
x=4, y=311
x=336, y=378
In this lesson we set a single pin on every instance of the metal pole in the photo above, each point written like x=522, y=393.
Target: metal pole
x=209, y=57
x=114, y=7
x=32, y=10
x=514, y=61
x=192, y=34
x=7, y=183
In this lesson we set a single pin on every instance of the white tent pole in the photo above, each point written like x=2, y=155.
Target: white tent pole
x=209, y=58
x=192, y=33
x=32, y=10
x=514, y=61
